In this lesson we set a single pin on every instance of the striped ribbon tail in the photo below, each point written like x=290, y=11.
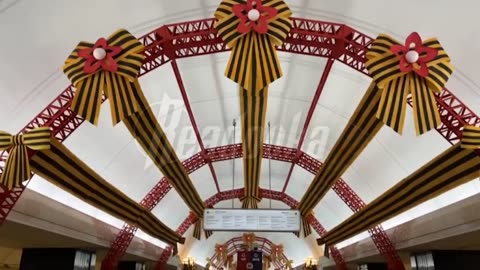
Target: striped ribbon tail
x=357, y=134
x=425, y=112
x=253, y=106
x=208, y=234
x=145, y=128
x=17, y=166
x=118, y=86
x=250, y=203
x=307, y=230
x=471, y=137
x=253, y=63
x=63, y=169
x=197, y=230
x=452, y=168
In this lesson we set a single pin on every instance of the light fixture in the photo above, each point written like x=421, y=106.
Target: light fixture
x=188, y=263
x=311, y=263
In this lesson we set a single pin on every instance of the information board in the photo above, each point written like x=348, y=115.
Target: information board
x=263, y=220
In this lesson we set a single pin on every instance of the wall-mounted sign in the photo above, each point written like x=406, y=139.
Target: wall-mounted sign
x=264, y=220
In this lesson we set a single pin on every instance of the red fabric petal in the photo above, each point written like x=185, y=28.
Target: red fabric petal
x=101, y=43
x=113, y=50
x=423, y=70
x=405, y=66
x=86, y=53
x=415, y=39
x=398, y=50
x=249, y=5
x=91, y=65
x=427, y=54
x=238, y=11
x=261, y=26
x=271, y=12
x=244, y=26
x=109, y=64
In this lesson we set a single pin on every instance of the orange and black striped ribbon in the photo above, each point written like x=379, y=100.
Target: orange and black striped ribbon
x=145, y=128
x=307, y=230
x=453, y=167
x=253, y=63
x=384, y=66
x=197, y=231
x=253, y=106
x=62, y=168
x=359, y=131
x=119, y=87
x=17, y=167
x=471, y=137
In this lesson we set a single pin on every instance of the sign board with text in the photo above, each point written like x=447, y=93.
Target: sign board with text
x=257, y=220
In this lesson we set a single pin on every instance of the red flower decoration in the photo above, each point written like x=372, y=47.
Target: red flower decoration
x=253, y=15
x=414, y=56
x=100, y=55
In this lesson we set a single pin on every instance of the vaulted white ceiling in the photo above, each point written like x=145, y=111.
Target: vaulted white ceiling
x=37, y=36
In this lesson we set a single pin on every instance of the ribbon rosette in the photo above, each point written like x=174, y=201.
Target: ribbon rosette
x=221, y=251
x=110, y=66
x=253, y=29
x=419, y=68
x=249, y=240
x=17, y=167
x=471, y=137
x=277, y=251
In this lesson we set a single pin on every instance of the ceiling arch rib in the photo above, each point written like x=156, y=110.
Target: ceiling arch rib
x=311, y=110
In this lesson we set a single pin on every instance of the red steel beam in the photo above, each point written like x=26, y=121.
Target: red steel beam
x=178, y=76
x=380, y=238
x=155, y=195
x=313, y=106
x=165, y=36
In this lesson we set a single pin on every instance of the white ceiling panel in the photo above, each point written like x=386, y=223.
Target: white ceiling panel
x=171, y=202
x=299, y=182
x=203, y=181
x=279, y=171
x=224, y=171
x=331, y=211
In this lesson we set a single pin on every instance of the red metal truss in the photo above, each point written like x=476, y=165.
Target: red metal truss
x=62, y=121
x=155, y=195
x=337, y=256
x=308, y=37
x=380, y=238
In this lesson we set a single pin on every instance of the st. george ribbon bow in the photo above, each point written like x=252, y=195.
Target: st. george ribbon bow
x=17, y=167
x=253, y=29
x=418, y=68
x=110, y=66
